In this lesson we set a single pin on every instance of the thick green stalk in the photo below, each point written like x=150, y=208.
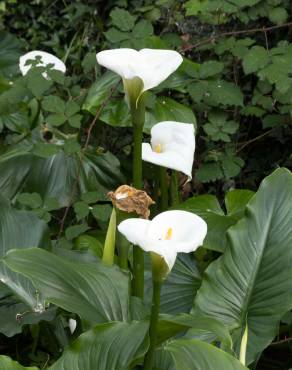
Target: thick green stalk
x=163, y=189
x=123, y=248
x=174, y=189
x=138, y=118
x=110, y=241
x=148, y=363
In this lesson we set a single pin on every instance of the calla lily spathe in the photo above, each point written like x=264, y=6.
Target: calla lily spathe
x=45, y=59
x=167, y=234
x=172, y=146
x=152, y=66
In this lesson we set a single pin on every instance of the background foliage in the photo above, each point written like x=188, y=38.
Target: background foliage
x=66, y=142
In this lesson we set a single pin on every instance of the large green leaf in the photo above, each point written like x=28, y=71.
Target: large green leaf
x=18, y=229
x=100, y=91
x=252, y=282
x=208, y=207
x=6, y=363
x=170, y=325
x=111, y=346
x=95, y=292
x=56, y=176
x=180, y=287
x=192, y=354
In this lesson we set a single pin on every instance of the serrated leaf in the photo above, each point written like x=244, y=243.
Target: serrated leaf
x=256, y=59
x=81, y=210
x=53, y=104
x=142, y=29
x=32, y=200
x=73, y=231
x=102, y=212
x=56, y=119
x=122, y=19
x=278, y=15
x=209, y=172
x=71, y=108
x=113, y=35
x=75, y=121
x=210, y=68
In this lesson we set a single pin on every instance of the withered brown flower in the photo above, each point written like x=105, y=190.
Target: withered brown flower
x=129, y=199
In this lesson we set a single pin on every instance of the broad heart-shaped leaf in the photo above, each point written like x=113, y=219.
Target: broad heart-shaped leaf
x=179, y=289
x=19, y=229
x=208, y=207
x=252, y=282
x=55, y=176
x=110, y=346
x=192, y=354
x=6, y=363
x=95, y=292
x=170, y=325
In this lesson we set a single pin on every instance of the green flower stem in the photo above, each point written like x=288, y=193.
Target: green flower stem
x=174, y=188
x=153, y=324
x=138, y=118
x=163, y=189
x=123, y=248
x=110, y=240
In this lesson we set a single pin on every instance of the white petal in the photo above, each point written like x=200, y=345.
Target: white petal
x=121, y=61
x=72, y=325
x=47, y=58
x=169, y=255
x=152, y=65
x=135, y=230
x=177, y=141
x=158, y=65
x=172, y=160
x=188, y=230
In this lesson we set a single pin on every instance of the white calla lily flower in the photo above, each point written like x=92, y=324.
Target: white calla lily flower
x=43, y=59
x=172, y=146
x=167, y=234
x=152, y=66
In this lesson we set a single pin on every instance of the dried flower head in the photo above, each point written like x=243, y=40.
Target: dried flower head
x=129, y=199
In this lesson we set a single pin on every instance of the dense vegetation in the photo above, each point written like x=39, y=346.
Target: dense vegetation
x=66, y=141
